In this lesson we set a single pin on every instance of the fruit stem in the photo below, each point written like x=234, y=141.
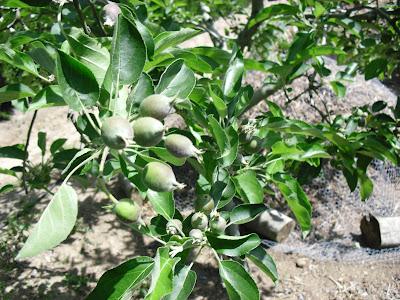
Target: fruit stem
x=216, y=255
x=104, y=188
x=103, y=160
x=126, y=158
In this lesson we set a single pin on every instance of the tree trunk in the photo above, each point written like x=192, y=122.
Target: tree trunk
x=381, y=232
x=272, y=225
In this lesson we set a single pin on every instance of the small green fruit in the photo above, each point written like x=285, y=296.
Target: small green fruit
x=196, y=235
x=148, y=131
x=116, y=132
x=199, y=221
x=218, y=225
x=159, y=177
x=180, y=146
x=156, y=106
x=127, y=210
x=174, y=226
x=254, y=146
x=204, y=203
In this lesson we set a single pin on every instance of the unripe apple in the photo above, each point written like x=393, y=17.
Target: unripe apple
x=218, y=225
x=148, y=131
x=157, y=106
x=180, y=146
x=116, y=132
x=197, y=235
x=199, y=221
x=127, y=210
x=159, y=177
x=174, y=226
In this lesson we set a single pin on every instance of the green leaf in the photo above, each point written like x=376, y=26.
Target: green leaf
x=44, y=55
x=366, y=185
x=90, y=52
x=15, y=92
x=296, y=199
x=244, y=213
x=77, y=83
x=238, y=282
x=216, y=57
x=161, y=276
x=6, y=188
x=77, y=155
x=218, y=134
x=375, y=68
x=165, y=156
x=142, y=89
x=319, y=9
x=233, y=245
x=18, y=59
x=42, y=142
x=119, y=282
x=338, y=88
x=169, y=39
x=26, y=3
x=249, y=187
x=48, y=97
x=219, y=104
x=183, y=284
x=128, y=53
x=14, y=151
x=378, y=106
x=8, y=172
x=55, y=224
x=264, y=262
x=233, y=77
x=272, y=11
x=176, y=81
x=56, y=145
x=147, y=37
x=163, y=203
x=275, y=166
x=275, y=109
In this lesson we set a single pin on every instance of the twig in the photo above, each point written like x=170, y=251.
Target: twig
x=78, y=8
x=26, y=152
x=96, y=16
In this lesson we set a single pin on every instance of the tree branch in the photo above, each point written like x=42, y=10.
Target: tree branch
x=262, y=93
x=245, y=36
x=216, y=38
x=28, y=138
x=96, y=16
x=78, y=8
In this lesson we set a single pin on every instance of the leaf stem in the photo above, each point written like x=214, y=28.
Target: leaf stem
x=95, y=127
x=103, y=160
x=93, y=156
x=104, y=188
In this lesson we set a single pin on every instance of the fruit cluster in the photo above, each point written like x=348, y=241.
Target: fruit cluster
x=148, y=131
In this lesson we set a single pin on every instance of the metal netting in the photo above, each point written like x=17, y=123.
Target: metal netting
x=337, y=213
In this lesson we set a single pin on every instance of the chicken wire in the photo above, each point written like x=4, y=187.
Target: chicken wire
x=336, y=234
